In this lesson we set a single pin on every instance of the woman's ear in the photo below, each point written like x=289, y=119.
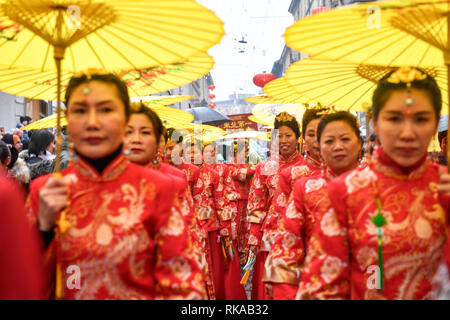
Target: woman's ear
x=8, y=161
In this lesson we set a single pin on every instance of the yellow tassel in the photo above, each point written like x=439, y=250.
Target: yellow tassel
x=63, y=224
x=223, y=251
x=59, y=286
x=245, y=277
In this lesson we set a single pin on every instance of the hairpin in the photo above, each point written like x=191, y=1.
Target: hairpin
x=327, y=111
x=284, y=117
x=407, y=75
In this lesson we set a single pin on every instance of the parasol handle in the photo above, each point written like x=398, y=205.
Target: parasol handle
x=447, y=63
x=58, y=117
x=368, y=117
x=448, y=109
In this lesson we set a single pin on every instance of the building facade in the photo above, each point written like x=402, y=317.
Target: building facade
x=198, y=89
x=300, y=9
x=13, y=107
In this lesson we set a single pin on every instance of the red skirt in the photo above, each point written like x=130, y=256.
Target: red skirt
x=226, y=273
x=258, y=287
x=284, y=291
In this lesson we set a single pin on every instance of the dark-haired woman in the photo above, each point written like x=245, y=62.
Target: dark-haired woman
x=122, y=235
x=42, y=146
x=260, y=203
x=227, y=269
x=5, y=156
x=214, y=212
x=17, y=167
x=40, y=155
x=385, y=234
x=312, y=162
x=340, y=144
x=174, y=156
x=310, y=165
x=242, y=172
x=143, y=139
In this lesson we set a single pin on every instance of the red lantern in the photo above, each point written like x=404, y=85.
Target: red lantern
x=319, y=10
x=212, y=96
x=212, y=87
x=212, y=104
x=263, y=78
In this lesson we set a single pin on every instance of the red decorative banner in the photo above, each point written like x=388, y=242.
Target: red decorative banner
x=240, y=122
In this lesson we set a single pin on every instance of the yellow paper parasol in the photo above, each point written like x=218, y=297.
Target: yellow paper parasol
x=204, y=132
x=34, y=84
x=114, y=35
x=394, y=33
x=168, y=115
x=280, y=90
x=255, y=119
x=390, y=33
x=346, y=85
x=263, y=99
x=267, y=112
x=159, y=79
x=117, y=34
x=45, y=123
x=161, y=100
x=171, y=117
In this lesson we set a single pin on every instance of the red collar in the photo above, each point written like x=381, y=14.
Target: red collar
x=381, y=161
x=313, y=162
x=291, y=158
x=114, y=169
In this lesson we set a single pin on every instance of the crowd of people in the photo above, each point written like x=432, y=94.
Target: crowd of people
x=140, y=212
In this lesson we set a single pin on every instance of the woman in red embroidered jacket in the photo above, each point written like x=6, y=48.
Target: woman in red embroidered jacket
x=308, y=166
x=261, y=212
x=174, y=156
x=144, y=140
x=312, y=163
x=120, y=231
x=391, y=213
x=241, y=172
x=340, y=144
x=216, y=211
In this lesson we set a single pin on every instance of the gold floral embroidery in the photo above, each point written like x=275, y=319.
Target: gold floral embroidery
x=331, y=268
x=131, y=215
x=104, y=234
x=314, y=185
x=330, y=225
x=359, y=179
x=175, y=225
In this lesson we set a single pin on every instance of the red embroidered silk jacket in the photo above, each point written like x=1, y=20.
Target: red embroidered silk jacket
x=127, y=237
x=262, y=216
x=309, y=201
x=344, y=263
